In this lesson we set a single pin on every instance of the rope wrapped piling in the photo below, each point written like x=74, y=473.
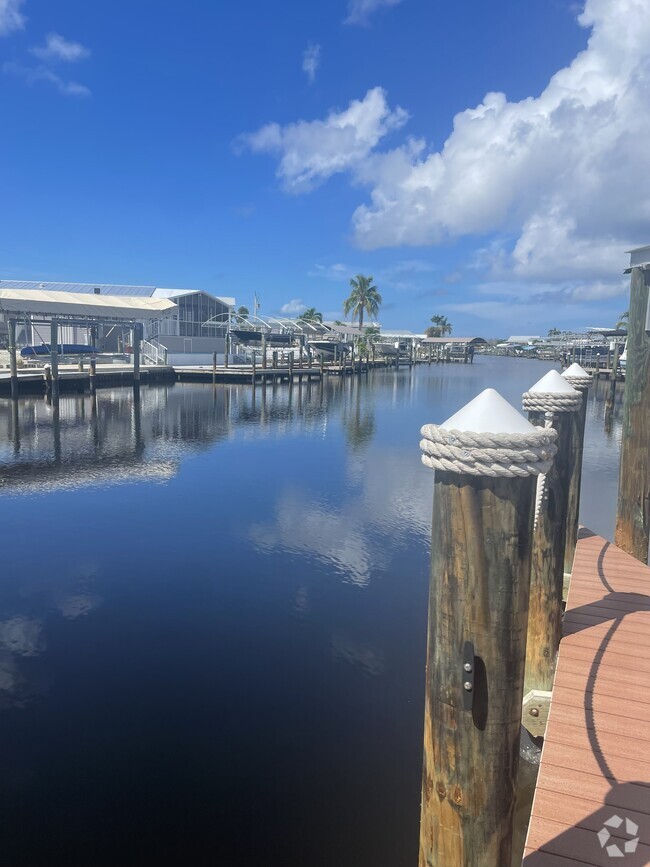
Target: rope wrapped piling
x=488, y=454
x=582, y=380
x=549, y=401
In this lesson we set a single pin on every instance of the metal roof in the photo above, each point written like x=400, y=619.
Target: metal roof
x=462, y=340
x=109, y=289
x=43, y=302
x=80, y=288
x=176, y=293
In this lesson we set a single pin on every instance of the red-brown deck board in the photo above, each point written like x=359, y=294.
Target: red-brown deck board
x=596, y=757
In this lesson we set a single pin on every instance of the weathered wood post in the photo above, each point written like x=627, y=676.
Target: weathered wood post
x=137, y=337
x=13, y=364
x=214, y=368
x=552, y=402
x=254, y=368
x=92, y=375
x=274, y=359
x=54, y=356
x=486, y=458
x=290, y=360
x=322, y=365
x=633, y=513
x=617, y=352
x=597, y=371
x=263, y=351
x=580, y=380
x=465, y=357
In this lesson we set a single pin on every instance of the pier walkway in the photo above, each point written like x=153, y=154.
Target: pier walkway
x=595, y=767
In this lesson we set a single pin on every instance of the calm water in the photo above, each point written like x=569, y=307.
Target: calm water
x=213, y=617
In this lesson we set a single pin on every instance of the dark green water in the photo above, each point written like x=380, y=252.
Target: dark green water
x=213, y=617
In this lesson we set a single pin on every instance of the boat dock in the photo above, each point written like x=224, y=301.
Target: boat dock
x=72, y=378
x=592, y=799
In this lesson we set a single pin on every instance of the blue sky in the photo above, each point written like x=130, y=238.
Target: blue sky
x=484, y=161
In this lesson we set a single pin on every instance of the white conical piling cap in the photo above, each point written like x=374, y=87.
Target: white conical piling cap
x=575, y=370
x=553, y=383
x=489, y=413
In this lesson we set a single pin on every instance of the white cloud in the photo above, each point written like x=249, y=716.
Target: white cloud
x=359, y=11
x=293, y=307
x=311, y=61
x=34, y=75
x=11, y=18
x=568, y=170
x=58, y=48
x=562, y=179
x=312, y=151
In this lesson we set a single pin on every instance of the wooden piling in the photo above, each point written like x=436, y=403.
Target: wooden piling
x=579, y=379
x=478, y=604
x=549, y=535
x=633, y=513
x=13, y=364
x=597, y=371
x=137, y=335
x=254, y=377
x=92, y=375
x=54, y=356
x=226, y=357
x=214, y=368
x=264, y=351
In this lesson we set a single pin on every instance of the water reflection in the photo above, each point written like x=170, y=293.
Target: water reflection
x=207, y=587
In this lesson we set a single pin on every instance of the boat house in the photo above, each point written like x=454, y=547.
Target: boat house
x=188, y=333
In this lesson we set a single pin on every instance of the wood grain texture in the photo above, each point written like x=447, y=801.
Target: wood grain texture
x=480, y=578
x=576, y=449
x=547, y=565
x=633, y=517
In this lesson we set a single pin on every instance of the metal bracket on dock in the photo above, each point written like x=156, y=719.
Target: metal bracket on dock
x=468, y=675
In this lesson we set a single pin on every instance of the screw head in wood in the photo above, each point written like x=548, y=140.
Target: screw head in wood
x=468, y=686
x=534, y=711
x=468, y=666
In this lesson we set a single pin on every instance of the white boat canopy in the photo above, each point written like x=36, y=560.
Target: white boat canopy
x=49, y=303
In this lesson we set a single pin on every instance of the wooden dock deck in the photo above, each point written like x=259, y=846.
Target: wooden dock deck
x=595, y=763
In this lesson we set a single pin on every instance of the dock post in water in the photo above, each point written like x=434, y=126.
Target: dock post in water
x=92, y=375
x=214, y=368
x=54, y=356
x=226, y=359
x=137, y=336
x=485, y=459
x=633, y=514
x=264, y=351
x=578, y=377
x=254, y=368
x=13, y=364
x=552, y=401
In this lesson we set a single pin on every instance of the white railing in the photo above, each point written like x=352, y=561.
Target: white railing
x=153, y=352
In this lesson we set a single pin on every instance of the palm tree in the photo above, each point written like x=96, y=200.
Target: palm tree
x=441, y=326
x=623, y=321
x=364, y=298
x=312, y=315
